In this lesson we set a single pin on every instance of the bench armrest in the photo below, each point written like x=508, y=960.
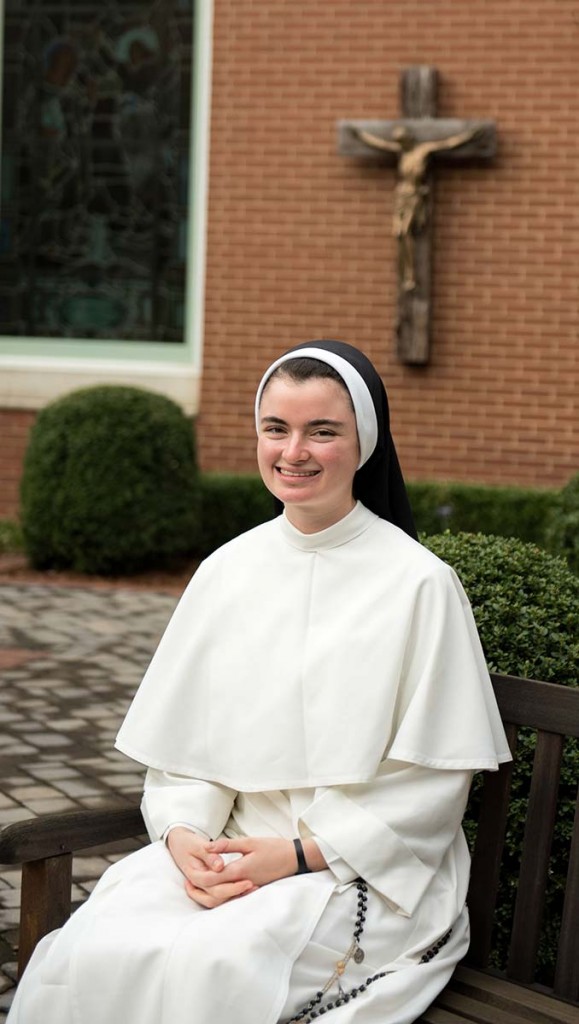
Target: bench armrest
x=56, y=834
x=44, y=846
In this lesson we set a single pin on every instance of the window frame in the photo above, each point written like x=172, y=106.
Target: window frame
x=35, y=371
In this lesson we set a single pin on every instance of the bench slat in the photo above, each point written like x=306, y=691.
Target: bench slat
x=546, y=706
x=479, y=1011
x=435, y=1015
x=567, y=973
x=540, y=823
x=486, y=861
x=535, y=1006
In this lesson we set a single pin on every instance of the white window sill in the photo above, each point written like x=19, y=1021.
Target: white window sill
x=32, y=382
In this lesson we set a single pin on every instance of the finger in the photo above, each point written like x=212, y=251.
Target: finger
x=200, y=896
x=231, y=873
x=219, y=845
x=240, y=844
x=218, y=894
x=208, y=859
x=229, y=890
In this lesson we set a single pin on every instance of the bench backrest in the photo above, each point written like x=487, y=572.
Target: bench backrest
x=553, y=712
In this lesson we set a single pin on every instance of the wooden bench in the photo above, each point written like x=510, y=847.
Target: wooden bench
x=44, y=846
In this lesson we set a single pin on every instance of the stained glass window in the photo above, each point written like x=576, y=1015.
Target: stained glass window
x=96, y=128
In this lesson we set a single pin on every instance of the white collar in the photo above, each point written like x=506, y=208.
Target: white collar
x=346, y=529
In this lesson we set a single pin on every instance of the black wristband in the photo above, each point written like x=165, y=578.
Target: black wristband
x=303, y=868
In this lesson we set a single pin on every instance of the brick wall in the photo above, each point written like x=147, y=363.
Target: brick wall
x=299, y=239
x=299, y=242
x=14, y=427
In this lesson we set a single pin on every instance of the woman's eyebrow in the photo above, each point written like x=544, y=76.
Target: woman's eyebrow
x=325, y=423
x=310, y=423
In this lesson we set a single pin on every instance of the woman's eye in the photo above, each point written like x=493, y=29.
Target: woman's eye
x=324, y=433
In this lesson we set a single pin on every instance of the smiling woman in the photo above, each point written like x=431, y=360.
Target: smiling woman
x=310, y=723
x=308, y=449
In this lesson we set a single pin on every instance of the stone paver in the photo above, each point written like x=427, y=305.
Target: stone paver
x=70, y=662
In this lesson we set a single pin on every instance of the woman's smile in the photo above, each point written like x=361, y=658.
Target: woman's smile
x=297, y=473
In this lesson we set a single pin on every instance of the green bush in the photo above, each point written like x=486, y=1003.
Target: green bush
x=563, y=526
x=234, y=503
x=231, y=504
x=476, y=508
x=109, y=483
x=10, y=537
x=526, y=605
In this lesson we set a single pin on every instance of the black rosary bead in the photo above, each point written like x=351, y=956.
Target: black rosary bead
x=309, y=1013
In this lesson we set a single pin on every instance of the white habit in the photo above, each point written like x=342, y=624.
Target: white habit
x=328, y=685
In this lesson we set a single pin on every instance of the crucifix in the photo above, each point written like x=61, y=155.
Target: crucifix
x=414, y=142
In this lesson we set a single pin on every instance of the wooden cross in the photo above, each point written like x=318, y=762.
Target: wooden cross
x=413, y=142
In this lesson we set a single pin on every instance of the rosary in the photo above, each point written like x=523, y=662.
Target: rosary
x=314, y=1009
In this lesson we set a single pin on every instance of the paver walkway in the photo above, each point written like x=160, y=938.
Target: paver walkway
x=70, y=662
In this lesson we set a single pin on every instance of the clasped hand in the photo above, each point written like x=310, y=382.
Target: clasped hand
x=210, y=881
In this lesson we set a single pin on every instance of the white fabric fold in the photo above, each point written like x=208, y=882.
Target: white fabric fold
x=170, y=800
x=274, y=674
x=395, y=831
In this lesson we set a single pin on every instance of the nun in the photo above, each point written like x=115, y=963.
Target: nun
x=310, y=723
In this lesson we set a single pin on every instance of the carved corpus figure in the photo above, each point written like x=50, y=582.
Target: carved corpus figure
x=411, y=206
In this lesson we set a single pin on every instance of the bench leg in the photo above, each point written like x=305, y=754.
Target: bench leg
x=45, y=903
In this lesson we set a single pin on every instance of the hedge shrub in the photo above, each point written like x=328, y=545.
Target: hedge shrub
x=526, y=605
x=109, y=482
x=563, y=526
x=235, y=503
x=10, y=537
x=476, y=508
x=231, y=504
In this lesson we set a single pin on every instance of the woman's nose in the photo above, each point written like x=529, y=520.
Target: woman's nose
x=295, y=448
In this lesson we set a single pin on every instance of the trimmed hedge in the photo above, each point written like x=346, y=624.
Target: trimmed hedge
x=525, y=602
x=526, y=606
x=563, y=526
x=110, y=483
x=234, y=503
x=475, y=508
x=231, y=504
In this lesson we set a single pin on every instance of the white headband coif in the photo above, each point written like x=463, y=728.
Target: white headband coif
x=366, y=422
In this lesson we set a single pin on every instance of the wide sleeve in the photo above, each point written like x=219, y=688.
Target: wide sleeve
x=394, y=831
x=170, y=799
